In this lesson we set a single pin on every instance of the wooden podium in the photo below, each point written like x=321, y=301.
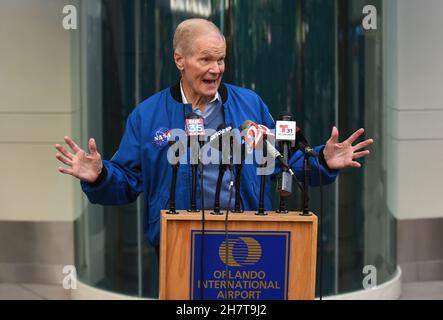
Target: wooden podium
x=178, y=244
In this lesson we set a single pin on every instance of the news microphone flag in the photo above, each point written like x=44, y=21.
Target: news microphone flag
x=286, y=131
x=195, y=127
x=254, y=133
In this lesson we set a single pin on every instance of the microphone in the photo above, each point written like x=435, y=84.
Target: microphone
x=222, y=140
x=222, y=131
x=254, y=135
x=195, y=129
x=303, y=145
x=218, y=141
x=175, y=166
x=285, y=130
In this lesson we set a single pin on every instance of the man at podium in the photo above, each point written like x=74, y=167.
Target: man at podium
x=140, y=164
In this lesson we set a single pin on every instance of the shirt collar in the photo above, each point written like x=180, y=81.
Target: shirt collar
x=185, y=101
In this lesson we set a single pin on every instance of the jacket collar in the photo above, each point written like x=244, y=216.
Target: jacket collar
x=176, y=92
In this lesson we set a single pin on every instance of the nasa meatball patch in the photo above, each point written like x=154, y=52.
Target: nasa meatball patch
x=160, y=137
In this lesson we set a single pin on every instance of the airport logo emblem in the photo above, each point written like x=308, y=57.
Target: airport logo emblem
x=246, y=265
x=243, y=251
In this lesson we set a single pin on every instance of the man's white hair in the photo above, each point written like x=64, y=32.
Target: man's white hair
x=191, y=29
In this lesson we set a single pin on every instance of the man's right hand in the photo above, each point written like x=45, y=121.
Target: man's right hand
x=84, y=166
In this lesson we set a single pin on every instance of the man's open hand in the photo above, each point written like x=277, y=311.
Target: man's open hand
x=84, y=166
x=342, y=155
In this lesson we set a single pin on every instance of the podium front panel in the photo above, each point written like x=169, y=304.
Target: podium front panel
x=269, y=257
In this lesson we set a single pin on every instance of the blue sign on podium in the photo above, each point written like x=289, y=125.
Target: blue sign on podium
x=244, y=265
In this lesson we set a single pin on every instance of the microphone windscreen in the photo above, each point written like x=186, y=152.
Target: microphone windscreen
x=245, y=125
x=285, y=116
x=192, y=115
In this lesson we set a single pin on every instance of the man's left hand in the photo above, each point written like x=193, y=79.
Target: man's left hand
x=342, y=155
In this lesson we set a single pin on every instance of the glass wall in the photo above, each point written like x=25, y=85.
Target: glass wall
x=366, y=228
x=310, y=57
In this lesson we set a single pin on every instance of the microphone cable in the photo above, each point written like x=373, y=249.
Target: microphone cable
x=231, y=189
x=320, y=217
x=320, y=232
x=202, y=204
x=200, y=144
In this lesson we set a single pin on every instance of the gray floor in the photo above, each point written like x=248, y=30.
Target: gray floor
x=432, y=290
x=32, y=291
x=28, y=291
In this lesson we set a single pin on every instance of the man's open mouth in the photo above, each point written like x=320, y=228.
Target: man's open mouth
x=210, y=82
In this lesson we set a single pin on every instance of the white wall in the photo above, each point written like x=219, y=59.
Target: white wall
x=415, y=110
x=35, y=111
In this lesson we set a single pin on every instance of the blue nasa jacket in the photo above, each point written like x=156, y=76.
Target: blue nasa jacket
x=140, y=165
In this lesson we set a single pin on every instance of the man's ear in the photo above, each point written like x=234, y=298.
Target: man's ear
x=179, y=60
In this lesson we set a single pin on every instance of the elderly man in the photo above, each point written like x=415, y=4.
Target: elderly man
x=140, y=164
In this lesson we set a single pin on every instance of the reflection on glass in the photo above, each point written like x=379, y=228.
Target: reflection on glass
x=200, y=8
x=366, y=233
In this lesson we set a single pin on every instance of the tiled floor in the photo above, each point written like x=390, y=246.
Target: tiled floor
x=32, y=291
x=432, y=290
x=27, y=291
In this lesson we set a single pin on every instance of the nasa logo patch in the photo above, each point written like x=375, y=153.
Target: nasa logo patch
x=160, y=137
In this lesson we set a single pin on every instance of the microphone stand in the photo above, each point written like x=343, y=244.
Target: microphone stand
x=202, y=205
x=282, y=208
x=261, y=202
x=194, y=166
x=306, y=174
x=221, y=173
x=284, y=179
x=238, y=171
x=174, y=184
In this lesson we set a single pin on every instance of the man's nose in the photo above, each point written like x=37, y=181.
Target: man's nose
x=215, y=68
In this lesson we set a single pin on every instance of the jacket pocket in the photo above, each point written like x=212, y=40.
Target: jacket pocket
x=159, y=203
x=250, y=187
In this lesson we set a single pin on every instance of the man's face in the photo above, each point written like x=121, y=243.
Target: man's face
x=202, y=71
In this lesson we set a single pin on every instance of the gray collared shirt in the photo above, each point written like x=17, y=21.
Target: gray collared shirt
x=213, y=117
x=210, y=107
